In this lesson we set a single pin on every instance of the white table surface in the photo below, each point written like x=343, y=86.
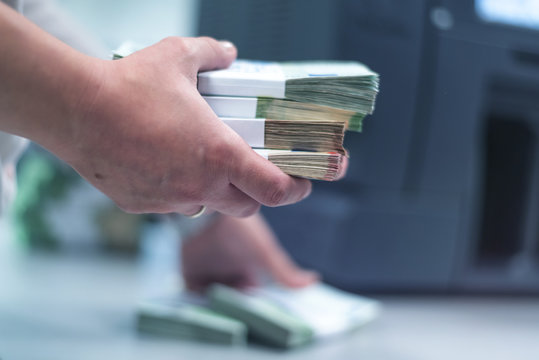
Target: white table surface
x=60, y=306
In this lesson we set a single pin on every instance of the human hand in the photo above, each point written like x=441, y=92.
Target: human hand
x=150, y=142
x=234, y=252
x=136, y=128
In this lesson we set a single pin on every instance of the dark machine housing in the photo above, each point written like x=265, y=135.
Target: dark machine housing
x=442, y=192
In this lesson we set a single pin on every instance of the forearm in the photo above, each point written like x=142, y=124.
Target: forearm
x=136, y=128
x=44, y=83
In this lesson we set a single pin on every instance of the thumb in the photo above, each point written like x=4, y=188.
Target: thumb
x=209, y=54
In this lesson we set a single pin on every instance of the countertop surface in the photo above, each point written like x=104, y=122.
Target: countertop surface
x=66, y=306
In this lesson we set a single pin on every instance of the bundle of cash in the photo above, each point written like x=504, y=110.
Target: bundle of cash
x=270, y=314
x=312, y=135
x=295, y=106
x=301, y=107
x=344, y=85
x=266, y=322
x=282, y=109
x=179, y=317
x=308, y=164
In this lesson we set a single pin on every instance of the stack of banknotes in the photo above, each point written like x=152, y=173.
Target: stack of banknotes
x=295, y=114
x=270, y=314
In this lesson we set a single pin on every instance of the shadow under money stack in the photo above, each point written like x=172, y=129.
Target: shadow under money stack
x=294, y=114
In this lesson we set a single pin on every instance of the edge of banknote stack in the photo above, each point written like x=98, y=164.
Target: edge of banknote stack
x=295, y=114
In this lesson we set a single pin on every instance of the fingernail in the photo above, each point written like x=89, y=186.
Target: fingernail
x=227, y=45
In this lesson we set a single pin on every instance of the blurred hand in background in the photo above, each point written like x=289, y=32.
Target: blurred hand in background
x=238, y=252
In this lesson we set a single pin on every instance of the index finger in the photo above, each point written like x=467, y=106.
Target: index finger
x=209, y=54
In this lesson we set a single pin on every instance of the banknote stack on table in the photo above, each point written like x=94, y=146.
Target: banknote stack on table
x=270, y=314
x=294, y=114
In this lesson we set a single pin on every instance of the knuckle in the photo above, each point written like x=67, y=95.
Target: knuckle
x=179, y=45
x=191, y=193
x=208, y=41
x=180, y=188
x=219, y=153
x=276, y=192
x=171, y=41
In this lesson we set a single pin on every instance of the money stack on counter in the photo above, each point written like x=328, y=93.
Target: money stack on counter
x=294, y=114
x=181, y=318
x=270, y=314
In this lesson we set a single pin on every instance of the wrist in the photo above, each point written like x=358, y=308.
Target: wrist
x=78, y=98
x=44, y=82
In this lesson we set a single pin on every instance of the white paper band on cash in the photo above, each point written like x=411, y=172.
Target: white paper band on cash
x=349, y=311
x=228, y=106
x=244, y=78
x=250, y=130
x=263, y=152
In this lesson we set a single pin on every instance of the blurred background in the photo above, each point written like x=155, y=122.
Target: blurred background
x=442, y=193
